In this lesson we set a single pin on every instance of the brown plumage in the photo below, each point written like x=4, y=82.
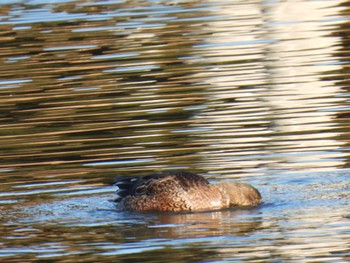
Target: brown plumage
x=182, y=191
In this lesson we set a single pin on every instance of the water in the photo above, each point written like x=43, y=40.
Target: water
x=234, y=90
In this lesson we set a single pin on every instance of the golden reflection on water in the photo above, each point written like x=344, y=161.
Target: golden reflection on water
x=249, y=90
x=287, y=107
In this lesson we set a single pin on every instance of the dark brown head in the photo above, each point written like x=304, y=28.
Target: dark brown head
x=240, y=194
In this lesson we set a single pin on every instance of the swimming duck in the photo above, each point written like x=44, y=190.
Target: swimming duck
x=175, y=191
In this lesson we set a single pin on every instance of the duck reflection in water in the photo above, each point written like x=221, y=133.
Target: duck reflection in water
x=177, y=191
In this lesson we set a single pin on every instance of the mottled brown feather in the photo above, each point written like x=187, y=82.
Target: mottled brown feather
x=181, y=191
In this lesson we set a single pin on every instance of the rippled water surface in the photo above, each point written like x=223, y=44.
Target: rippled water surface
x=255, y=91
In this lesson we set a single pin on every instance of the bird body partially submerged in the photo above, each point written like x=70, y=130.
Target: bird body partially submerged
x=182, y=191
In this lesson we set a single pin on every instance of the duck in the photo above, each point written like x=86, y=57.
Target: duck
x=181, y=191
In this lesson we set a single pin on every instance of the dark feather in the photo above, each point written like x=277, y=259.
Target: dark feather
x=152, y=183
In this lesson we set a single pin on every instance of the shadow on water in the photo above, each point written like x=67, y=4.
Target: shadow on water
x=246, y=90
